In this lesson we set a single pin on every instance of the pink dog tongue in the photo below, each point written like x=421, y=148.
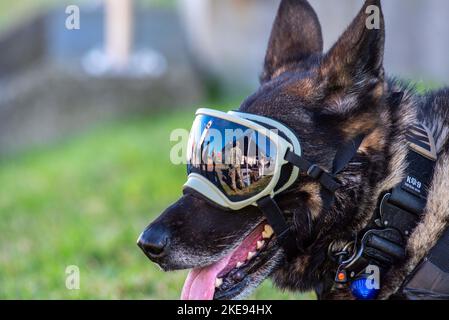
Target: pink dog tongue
x=200, y=283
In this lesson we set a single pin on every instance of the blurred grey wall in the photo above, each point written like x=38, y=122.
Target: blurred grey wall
x=47, y=93
x=417, y=34
x=229, y=37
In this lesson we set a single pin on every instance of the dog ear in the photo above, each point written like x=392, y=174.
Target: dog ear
x=296, y=35
x=357, y=57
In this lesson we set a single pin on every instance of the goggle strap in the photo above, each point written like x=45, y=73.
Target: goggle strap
x=346, y=153
x=314, y=171
x=303, y=164
x=276, y=220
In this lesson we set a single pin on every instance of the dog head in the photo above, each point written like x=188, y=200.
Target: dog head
x=327, y=99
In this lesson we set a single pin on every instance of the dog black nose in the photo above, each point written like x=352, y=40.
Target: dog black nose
x=154, y=241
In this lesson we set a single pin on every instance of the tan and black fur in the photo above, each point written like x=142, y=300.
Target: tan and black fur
x=327, y=99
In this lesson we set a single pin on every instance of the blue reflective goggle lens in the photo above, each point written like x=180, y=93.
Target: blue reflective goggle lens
x=238, y=160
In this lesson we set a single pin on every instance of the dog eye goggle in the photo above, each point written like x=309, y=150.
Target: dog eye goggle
x=235, y=159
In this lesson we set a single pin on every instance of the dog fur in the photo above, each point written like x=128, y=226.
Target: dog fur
x=326, y=99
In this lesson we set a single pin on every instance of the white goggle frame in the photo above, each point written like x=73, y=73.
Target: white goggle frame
x=210, y=191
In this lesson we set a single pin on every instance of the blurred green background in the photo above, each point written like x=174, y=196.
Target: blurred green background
x=84, y=199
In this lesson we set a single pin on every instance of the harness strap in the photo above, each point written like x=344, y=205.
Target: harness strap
x=276, y=219
x=399, y=211
x=430, y=279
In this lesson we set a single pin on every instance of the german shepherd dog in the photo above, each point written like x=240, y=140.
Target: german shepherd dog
x=326, y=98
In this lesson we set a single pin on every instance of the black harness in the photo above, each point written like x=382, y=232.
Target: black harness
x=430, y=279
x=383, y=242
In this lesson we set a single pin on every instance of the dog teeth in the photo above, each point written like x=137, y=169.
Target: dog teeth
x=268, y=229
x=239, y=264
x=267, y=232
x=260, y=244
x=218, y=282
x=251, y=255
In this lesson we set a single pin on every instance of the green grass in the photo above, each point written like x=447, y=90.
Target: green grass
x=83, y=202
x=12, y=12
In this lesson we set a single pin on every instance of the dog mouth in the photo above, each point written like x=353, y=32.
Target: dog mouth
x=236, y=274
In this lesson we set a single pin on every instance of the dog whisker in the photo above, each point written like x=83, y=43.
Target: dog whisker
x=226, y=238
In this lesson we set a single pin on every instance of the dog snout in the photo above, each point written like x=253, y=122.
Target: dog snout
x=154, y=241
